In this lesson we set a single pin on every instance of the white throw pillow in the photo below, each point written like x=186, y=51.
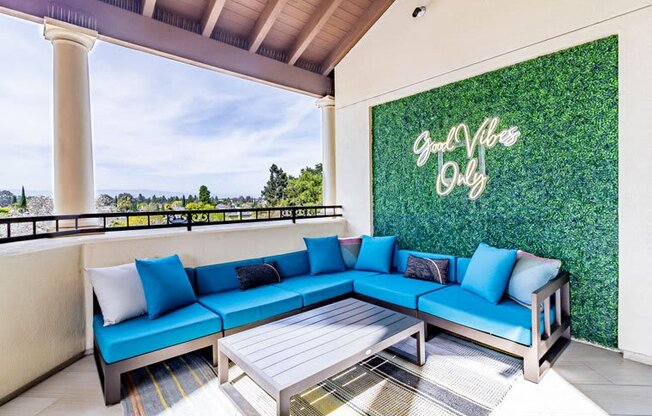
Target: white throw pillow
x=119, y=292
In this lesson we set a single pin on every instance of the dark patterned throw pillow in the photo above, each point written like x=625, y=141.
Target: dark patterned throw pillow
x=258, y=275
x=433, y=270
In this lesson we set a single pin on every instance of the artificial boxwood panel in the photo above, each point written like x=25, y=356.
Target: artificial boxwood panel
x=554, y=193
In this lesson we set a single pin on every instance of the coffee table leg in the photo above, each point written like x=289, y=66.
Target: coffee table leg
x=222, y=368
x=283, y=405
x=421, y=345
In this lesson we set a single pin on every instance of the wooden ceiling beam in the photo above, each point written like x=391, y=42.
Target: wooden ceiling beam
x=312, y=28
x=264, y=23
x=211, y=14
x=135, y=31
x=148, y=7
x=353, y=36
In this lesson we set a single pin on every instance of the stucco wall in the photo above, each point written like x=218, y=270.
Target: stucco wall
x=41, y=313
x=45, y=301
x=458, y=39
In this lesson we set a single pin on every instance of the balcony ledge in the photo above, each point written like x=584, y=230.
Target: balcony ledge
x=34, y=246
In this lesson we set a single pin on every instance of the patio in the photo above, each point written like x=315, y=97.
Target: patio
x=512, y=128
x=586, y=381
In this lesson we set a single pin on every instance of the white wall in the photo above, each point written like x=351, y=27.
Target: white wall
x=458, y=39
x=46, y=303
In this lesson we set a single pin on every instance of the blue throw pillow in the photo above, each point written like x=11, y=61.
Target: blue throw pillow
x=489, y=271
x=324, y=255
x=376, y=254
x=165, y=284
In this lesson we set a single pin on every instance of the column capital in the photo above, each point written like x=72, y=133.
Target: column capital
x=325, y=101
x=56, y=30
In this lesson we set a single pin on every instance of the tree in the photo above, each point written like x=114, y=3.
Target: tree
x=22, y=202
x=306, y=189
x=125, y=203
x=195, y=206
x=104, y=201
x=183, y=201
x=274, y=190
x=204, y=195
x=7, y=198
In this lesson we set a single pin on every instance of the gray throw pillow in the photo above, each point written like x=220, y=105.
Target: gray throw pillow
x=433, y=270
x=529, y=274
x=119, y=292
x=258, y=275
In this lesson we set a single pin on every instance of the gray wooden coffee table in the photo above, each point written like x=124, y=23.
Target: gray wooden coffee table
x=290, y=355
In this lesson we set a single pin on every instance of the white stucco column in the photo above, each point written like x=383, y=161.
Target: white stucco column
x=74, y=180
x=327, y=106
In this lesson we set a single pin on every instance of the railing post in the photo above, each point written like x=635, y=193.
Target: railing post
x=189, y=221
x=294, y=215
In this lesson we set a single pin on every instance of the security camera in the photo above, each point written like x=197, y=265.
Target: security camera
x=419, y=11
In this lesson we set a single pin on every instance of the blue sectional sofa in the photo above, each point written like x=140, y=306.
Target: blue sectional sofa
x=222, y=308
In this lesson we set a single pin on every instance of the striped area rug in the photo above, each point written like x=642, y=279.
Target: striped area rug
x=459, y=378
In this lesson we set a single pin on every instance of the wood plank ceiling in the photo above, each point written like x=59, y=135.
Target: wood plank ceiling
x=290, y=43
x=293, y=44
x=311, y=34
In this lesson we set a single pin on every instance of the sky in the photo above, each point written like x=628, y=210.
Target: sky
x=157, y=124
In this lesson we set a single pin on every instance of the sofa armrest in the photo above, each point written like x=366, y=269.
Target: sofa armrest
x=551, y=287
x=560, y=288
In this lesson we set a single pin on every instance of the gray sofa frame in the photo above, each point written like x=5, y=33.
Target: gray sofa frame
x=110, y=374
x=545, y=348
x=537, y=357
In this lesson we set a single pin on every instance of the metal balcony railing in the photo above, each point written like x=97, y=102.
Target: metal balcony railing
x=30, y=228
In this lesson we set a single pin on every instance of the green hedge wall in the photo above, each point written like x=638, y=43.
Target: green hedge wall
x=554, y=193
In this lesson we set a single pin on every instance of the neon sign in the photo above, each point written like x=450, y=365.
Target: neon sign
x=475, y=177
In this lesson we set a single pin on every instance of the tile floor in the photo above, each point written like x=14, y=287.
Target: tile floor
x=585, y=381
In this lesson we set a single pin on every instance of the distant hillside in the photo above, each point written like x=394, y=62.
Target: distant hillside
x=113, y=192
x=147, y=193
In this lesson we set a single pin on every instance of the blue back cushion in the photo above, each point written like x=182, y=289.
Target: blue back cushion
x=489, y=271
x=220, y=277
x=324, y=255
x=401, y=259
x=165, y=284
x=462, y=265
x=190, y=272
x=376, y=254
x=291, y=264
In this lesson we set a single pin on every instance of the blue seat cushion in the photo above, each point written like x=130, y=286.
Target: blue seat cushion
x=291, y=264
x=315, y=289
x=401, y=259
x=507, y=319
x=220, y=277
x=242, y=307
x=395, y=288
x=142, y=335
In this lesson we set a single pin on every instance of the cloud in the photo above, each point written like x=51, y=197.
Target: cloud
x=157, y=124
x=25, y=106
